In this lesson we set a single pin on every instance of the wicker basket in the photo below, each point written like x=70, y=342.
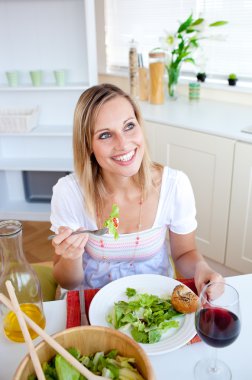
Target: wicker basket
x=13, y=120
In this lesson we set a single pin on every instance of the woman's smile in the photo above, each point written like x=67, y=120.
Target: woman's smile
x=125, y=158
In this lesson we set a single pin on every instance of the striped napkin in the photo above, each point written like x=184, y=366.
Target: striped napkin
x=73, y=305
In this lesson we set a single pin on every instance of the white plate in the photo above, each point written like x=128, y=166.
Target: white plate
x=161, y=286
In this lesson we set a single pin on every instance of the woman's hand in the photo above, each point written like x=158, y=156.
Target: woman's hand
x=204, y=274
x=69, y=247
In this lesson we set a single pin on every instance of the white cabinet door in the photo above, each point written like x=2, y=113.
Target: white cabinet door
x=207, y=160
x=239, y=246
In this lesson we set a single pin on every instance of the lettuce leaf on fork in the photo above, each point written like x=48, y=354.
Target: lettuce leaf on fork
x=113, y=221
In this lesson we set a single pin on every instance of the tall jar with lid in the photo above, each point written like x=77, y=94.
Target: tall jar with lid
x=133, y=68
x=14, y=267
x=156, y=76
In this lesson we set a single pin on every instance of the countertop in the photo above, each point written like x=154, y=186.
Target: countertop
x=207, y=116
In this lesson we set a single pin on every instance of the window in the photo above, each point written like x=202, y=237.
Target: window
x=146, y=21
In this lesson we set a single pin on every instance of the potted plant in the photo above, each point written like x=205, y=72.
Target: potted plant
x=232, y=79
x=181, y=45
x=201, y=77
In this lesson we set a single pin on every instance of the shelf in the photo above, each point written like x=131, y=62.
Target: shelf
x=36, y=164
x=43, y=131
x=70, y=87
x=23, y=210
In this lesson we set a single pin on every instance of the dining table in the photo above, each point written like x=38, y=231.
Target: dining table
x=176, y=365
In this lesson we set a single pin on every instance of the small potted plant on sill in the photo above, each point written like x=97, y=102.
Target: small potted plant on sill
x=201, y=77
x=232, y=79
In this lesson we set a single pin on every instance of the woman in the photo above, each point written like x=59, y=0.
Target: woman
x=112, y=166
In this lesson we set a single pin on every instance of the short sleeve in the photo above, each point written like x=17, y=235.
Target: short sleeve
x=183, y=210
x=67, y=205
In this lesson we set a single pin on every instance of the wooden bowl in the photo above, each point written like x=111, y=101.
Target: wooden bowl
x=90, y=339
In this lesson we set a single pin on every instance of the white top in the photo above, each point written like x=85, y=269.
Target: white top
x=106, y=259
x=175, y=365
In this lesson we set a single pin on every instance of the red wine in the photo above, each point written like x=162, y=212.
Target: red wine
x=217, y=327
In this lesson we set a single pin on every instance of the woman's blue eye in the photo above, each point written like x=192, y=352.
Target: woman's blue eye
x=130, y=126
x=104, y=135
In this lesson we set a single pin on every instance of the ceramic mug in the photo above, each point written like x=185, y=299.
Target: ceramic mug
x=13, y=78
x=194, y=91
x=60, y=77
x=36, y=77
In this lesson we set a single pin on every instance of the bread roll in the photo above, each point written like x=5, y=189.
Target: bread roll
x=183, y=299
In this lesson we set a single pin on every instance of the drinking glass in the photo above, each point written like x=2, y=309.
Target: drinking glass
x=217, y=321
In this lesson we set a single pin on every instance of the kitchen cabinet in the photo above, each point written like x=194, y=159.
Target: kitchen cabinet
x=239, y=243
x=208, y=162
x=45, y=35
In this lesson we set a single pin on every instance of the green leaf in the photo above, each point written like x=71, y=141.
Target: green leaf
x=169, y=324
x=32, y=377
x=188, y=31
x=189, y=60
x=49, y=370
x=146, y=313
x=129, y=318
x=218, y=23
x=115, y=211
x=75, y=352
x=154, y=336
x=129, y=374
x=65, y=371
x=198, y=21
x=112, y=354
x=194, y=43
x=114, y=370
x=110, y=223
x=130, y=292
x=185, y=24
x=139, y=336
x=232, y=76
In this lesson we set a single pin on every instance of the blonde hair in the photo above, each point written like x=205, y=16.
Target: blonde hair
x=86, y=167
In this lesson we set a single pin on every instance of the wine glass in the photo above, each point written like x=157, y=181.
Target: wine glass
x=217, y=321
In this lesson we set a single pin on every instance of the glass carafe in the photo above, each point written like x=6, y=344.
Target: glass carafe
x=25, y=281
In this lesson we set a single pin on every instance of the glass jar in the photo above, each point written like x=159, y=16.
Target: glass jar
x=156, y=77
x=23, y=278
x=133, y=68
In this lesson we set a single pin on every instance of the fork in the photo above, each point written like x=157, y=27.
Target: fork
x=100, y=232
x=83, y=315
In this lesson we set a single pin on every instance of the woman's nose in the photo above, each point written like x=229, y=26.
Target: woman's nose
x=121, y=142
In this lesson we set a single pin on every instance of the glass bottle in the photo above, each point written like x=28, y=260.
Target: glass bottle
x=25, y=281
x=156, y=76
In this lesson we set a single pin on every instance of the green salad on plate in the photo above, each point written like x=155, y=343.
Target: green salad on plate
x=146, y=316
